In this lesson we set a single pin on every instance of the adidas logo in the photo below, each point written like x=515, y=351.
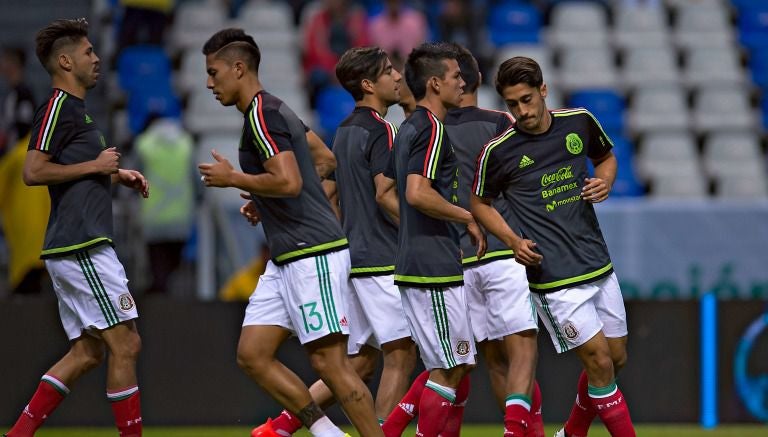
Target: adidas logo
x=88, y=119
x=408, y=408
x=525, y=161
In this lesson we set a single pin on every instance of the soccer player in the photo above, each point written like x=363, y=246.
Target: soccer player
x=68, y=153
x=369, y=215
x=428, y=268
x=503, y=317
x=301, y=291
x=407, y=102
x=540, y=166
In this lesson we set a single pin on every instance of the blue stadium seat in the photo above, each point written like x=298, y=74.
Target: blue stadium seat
x=151, y=101
x=333, y=105
x=758, y=64
x=626, y=184
x=514, y=23
x=138, y=66
x=605, y=104
x=753, y=26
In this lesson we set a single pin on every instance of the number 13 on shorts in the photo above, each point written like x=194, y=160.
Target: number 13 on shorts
x=313, y=320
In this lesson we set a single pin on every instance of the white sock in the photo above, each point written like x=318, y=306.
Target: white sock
x=323, y=427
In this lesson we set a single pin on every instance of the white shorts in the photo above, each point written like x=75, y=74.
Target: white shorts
x=92, y=290
x=574, y=315
x=440, y=326
x=499, y=299
x=375, y=313
x=304, y=296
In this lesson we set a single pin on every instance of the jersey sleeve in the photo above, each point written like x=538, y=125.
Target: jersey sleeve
x=488, y=173
x=53, y=126
x=380, y=151
x=428, y=151
x=504, y=122
x=599, y=144
x=267, y=131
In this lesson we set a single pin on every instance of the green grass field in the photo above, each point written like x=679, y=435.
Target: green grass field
x=467, y=431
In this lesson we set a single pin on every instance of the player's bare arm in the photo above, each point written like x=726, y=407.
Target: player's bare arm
x=281, y=178
x=39, y=170
x=332, y=193
x=386, y=196
x=325, y=161
x=132, y=179
x=420, y=195
x=598, y=188
x=490, y=218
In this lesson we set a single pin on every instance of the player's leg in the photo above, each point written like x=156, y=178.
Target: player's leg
x=85, y=353
x=497, y=364
x=124, y=344
x=439, y=322
x=381, y=306
x=511, y=316
x=316, y=287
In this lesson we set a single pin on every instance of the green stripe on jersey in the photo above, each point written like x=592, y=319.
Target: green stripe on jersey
x=429, y=279
x=480, y=189
x=490, y=255
x=573, y=280
x=310, y=250
x=49, y=134
x=363, y=270
x=56, y=250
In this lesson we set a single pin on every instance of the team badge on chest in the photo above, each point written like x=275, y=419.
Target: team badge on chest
x=573, y=143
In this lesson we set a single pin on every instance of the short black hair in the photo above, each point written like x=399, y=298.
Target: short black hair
x=59, y=33
x=357, y=64
x=232, y=43
x=426, y=61
x=470, y=70
x=519, y=69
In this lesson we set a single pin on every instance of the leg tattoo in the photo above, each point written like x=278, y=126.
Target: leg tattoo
x=310, y=414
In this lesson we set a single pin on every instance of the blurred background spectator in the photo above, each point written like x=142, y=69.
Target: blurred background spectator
x=18, y=106
x=397, y=29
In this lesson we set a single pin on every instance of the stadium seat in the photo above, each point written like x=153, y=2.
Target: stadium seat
x=758, y=66
x=142, y=103
x=266, y=15
x=753, y=25
x=650, y=65
x=722, y=108
x=138, y=66
x=685, y=184
x=665, y=153
x=703, y=25
x=514, y=23
x=606, y=105
x=334, y=104
x=706, y=65
x=194, y=22
x=657, y=108
x=638, y=26
x=587, y=68
x=578, y=24
x=626, y=183
x=205, y=114
x=731, y=152
x=742, y=186
x=191, y=73
x=541, y=53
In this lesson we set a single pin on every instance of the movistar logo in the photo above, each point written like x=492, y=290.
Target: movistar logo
x=88, y=119
x=525, y=161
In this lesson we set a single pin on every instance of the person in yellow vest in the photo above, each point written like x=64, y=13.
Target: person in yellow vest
x=165, y=153
x=24, y=216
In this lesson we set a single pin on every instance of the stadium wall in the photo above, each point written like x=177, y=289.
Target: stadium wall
x=188, y=374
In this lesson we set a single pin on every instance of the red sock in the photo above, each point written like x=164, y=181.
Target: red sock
x=434, y=408
x=582, y=413
x=49, y=394
x=406, y=409
x=516, y=415
x=126, y=407
x=536, y=423
x=612, y=408
x=453, y=426
x=286, y=422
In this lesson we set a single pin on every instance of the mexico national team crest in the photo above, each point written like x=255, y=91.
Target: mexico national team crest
x=462, y=347
x=573, y=143
x=126, y=302
x=570, y=331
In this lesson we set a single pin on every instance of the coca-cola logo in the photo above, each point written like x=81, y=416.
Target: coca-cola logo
x=562, y=174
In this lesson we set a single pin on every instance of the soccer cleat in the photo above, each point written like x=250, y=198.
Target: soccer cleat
x=561, y=433
x=264, y=430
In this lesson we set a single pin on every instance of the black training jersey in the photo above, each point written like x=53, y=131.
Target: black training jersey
x=362, y=147
x=295, y=227
x=470, y=129
x=428, y=252
x=81, y=210
x=542, y=175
